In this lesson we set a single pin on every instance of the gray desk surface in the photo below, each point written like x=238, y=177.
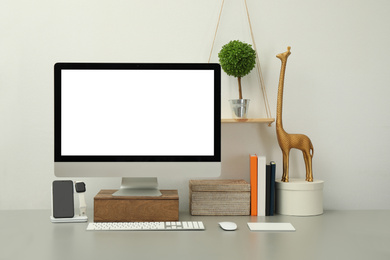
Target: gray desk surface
x=29, y=234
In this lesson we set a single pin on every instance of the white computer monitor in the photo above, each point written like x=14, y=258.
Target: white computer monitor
x=138, y=121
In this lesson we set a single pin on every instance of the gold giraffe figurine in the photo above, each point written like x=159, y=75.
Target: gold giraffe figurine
x=287, y=141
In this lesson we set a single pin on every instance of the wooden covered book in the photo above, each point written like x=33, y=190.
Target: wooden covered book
x=219, y=197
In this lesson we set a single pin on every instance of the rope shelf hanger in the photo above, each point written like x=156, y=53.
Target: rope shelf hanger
x=259, y=73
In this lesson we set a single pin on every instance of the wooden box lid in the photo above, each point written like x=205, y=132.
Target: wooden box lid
x=219, y=185
x=166, y=195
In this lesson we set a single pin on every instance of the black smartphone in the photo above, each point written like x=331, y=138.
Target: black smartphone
x=63, y=204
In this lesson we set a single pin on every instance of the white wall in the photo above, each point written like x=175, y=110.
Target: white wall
x=335, y=90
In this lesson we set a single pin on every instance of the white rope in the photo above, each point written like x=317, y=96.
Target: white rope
x=260, y=74
x=215, y=34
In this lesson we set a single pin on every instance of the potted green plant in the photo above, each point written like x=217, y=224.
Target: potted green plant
x=238, y=59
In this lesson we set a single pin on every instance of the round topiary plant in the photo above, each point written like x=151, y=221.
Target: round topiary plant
x=237, y=59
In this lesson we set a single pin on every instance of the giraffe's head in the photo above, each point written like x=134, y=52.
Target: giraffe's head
x=284, y=55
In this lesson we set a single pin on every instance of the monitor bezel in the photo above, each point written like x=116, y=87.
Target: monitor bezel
x=58, y=67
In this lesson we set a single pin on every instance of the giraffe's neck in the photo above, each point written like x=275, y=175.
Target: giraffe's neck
x=279, y=122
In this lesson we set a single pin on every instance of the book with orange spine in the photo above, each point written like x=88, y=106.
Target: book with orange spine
x=253, y=183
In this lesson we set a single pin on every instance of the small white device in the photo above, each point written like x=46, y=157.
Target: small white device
x=228, y=226
x=257, y=226
x=147, y=226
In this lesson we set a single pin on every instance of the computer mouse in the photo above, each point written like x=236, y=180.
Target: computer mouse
x=228, y=226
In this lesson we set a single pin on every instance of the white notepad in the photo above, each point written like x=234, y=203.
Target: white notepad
x=256, y=226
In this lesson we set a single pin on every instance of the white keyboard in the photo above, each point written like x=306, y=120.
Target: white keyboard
x=147, y=226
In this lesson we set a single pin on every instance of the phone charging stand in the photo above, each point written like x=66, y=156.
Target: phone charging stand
x=69, y=220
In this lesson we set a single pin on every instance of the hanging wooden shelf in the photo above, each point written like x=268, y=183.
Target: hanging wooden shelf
x=248, y=120
x=269, y=120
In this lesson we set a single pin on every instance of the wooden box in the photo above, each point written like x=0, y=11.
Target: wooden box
x=108, y=208
x=219, y=197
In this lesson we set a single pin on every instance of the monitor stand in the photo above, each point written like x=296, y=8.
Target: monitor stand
x=134, y=186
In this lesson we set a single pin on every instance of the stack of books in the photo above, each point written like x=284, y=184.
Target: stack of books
x=219, y=197
x=262, y=182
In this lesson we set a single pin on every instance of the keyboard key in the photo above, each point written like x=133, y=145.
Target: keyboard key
x=196, y=225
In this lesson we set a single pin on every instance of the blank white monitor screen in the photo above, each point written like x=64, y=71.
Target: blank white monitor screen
x=125, y=113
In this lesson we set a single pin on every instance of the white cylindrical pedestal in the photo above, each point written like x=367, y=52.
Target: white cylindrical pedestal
x=299, y=197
